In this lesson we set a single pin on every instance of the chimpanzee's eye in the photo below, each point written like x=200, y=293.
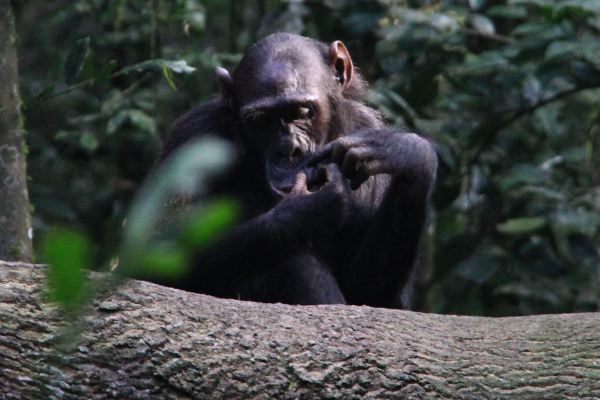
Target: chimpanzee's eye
x=258, y=121
x=304, y=112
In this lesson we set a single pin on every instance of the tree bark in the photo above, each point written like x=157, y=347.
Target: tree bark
x=15, y=223
x=146, y=341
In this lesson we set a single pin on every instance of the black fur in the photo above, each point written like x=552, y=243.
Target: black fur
x=351, y=233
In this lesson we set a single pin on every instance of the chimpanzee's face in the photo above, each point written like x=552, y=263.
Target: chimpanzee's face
x=285, y=113
x=286, y=90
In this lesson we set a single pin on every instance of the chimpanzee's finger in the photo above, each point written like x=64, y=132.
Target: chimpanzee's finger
x=300, y=183
x=341, y=146
x=353, y=158
x=366, y=170
x=334, y=150
x=332, y=173
x=321, y=155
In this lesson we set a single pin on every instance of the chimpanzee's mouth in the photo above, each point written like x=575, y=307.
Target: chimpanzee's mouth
x=281, y=174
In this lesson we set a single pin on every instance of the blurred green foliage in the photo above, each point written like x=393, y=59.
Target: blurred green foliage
x=163, y=227
x=509, y=89
x=67, y=253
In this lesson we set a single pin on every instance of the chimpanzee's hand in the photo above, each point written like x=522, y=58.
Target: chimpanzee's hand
x=322, y=194
x=385, y=151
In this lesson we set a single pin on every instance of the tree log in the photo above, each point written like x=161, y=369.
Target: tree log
x=144, y=341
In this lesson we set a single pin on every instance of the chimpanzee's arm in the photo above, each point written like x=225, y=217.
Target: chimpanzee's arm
x=395, y=173
x=265, y=241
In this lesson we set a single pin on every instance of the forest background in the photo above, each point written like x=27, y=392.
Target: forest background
x=509, y=90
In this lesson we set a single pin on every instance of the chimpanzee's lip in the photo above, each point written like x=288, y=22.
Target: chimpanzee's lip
x=281, y=174
x=281, y=192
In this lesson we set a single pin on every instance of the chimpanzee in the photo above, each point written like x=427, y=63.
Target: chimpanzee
x=334, y=201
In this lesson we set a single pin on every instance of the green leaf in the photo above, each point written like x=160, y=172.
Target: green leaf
x=209, y=222
x=67, y=253
x=477, y=4
x=541, y=290
x=165, y=261
x=482, y=24
x=505, y=11
x=179, y=67
x=576, y=221
x=539, y=3
x=165, y=66
x=142, y=121
x=484, y=63
x=185, y=172
x=579, y=8
x=195, y=15
x=169, y=77
x=137, y=118
x=531, y=90
x=522, y=174
x=519, y=226
x=587, y=48
x=65, y=136
x=532, y=28
x=76, y=59
x=89, y=141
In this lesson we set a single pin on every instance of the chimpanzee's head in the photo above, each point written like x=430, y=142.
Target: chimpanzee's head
x=285, y=91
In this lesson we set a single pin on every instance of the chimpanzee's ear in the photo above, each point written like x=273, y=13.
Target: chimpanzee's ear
x=341, y=62
x=225, y=83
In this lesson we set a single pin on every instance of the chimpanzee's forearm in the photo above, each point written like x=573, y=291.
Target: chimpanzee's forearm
x=388, y=252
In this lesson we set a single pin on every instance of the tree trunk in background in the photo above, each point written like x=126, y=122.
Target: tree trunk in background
x=150, y=342
x=15, y=222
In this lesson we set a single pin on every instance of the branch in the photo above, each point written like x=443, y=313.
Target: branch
x=147, y=341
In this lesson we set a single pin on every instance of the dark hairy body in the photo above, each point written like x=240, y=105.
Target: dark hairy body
x=334, y=201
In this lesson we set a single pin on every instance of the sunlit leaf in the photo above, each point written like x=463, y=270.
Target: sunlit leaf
x=483, y=24
x=179, y=67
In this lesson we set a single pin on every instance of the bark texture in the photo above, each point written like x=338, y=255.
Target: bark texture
x=150, y=342
x=15, y=224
